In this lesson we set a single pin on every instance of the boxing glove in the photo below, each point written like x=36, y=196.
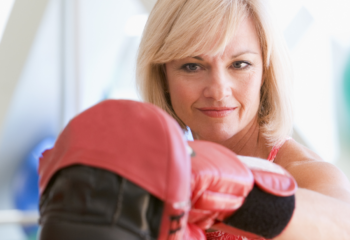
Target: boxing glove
x=239, y=195
x=119, y=170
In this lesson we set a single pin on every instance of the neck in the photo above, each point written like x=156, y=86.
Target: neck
x=249, y=142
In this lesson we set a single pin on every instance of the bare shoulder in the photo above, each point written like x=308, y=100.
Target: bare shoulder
x=312, y=172
x=293, y=153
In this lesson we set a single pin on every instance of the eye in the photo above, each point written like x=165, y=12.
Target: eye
x=240, y=64
x=191, y=67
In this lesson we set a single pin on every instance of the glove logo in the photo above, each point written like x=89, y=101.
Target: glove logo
x=176, y=223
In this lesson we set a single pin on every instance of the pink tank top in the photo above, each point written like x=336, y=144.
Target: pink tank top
x=218, y=235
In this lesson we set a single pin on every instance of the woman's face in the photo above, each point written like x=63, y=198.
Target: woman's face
x=218, y=96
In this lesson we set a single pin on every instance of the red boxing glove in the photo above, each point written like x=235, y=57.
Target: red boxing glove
x=220, y=183
x=119, y=170
x=219, y=176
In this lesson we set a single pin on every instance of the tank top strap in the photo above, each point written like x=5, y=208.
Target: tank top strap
x=276, y=148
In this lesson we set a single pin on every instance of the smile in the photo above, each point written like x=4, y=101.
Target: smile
x=217, y=112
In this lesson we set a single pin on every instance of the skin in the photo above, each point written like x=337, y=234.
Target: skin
x=218, y=98
x=231, y=80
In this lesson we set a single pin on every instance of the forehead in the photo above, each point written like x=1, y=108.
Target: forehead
x=246, y=38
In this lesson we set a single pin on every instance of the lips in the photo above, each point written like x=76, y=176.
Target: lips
x=217, y=112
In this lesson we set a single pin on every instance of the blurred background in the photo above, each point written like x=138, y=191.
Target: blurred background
x=59, y=57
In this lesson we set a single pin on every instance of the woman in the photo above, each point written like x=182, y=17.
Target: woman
x=220, y=68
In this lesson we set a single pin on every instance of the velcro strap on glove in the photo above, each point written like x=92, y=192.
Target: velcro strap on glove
x=269, y=207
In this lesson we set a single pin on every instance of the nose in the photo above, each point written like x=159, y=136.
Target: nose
x=218, y=85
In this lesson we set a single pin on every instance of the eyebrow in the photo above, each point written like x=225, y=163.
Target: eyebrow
x=233, y=56
x=198, y=58
x=242, y=53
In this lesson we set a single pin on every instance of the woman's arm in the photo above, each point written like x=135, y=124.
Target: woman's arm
x=318, y=217
x=321, y=177
x=312, y=173
x=323, y=199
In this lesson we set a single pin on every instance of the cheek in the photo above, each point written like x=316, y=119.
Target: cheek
x=249, y=92
x=182, y=96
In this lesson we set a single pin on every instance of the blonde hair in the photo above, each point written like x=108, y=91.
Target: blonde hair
x=178, y=29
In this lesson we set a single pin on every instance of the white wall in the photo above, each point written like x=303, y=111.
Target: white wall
x=34, y=110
